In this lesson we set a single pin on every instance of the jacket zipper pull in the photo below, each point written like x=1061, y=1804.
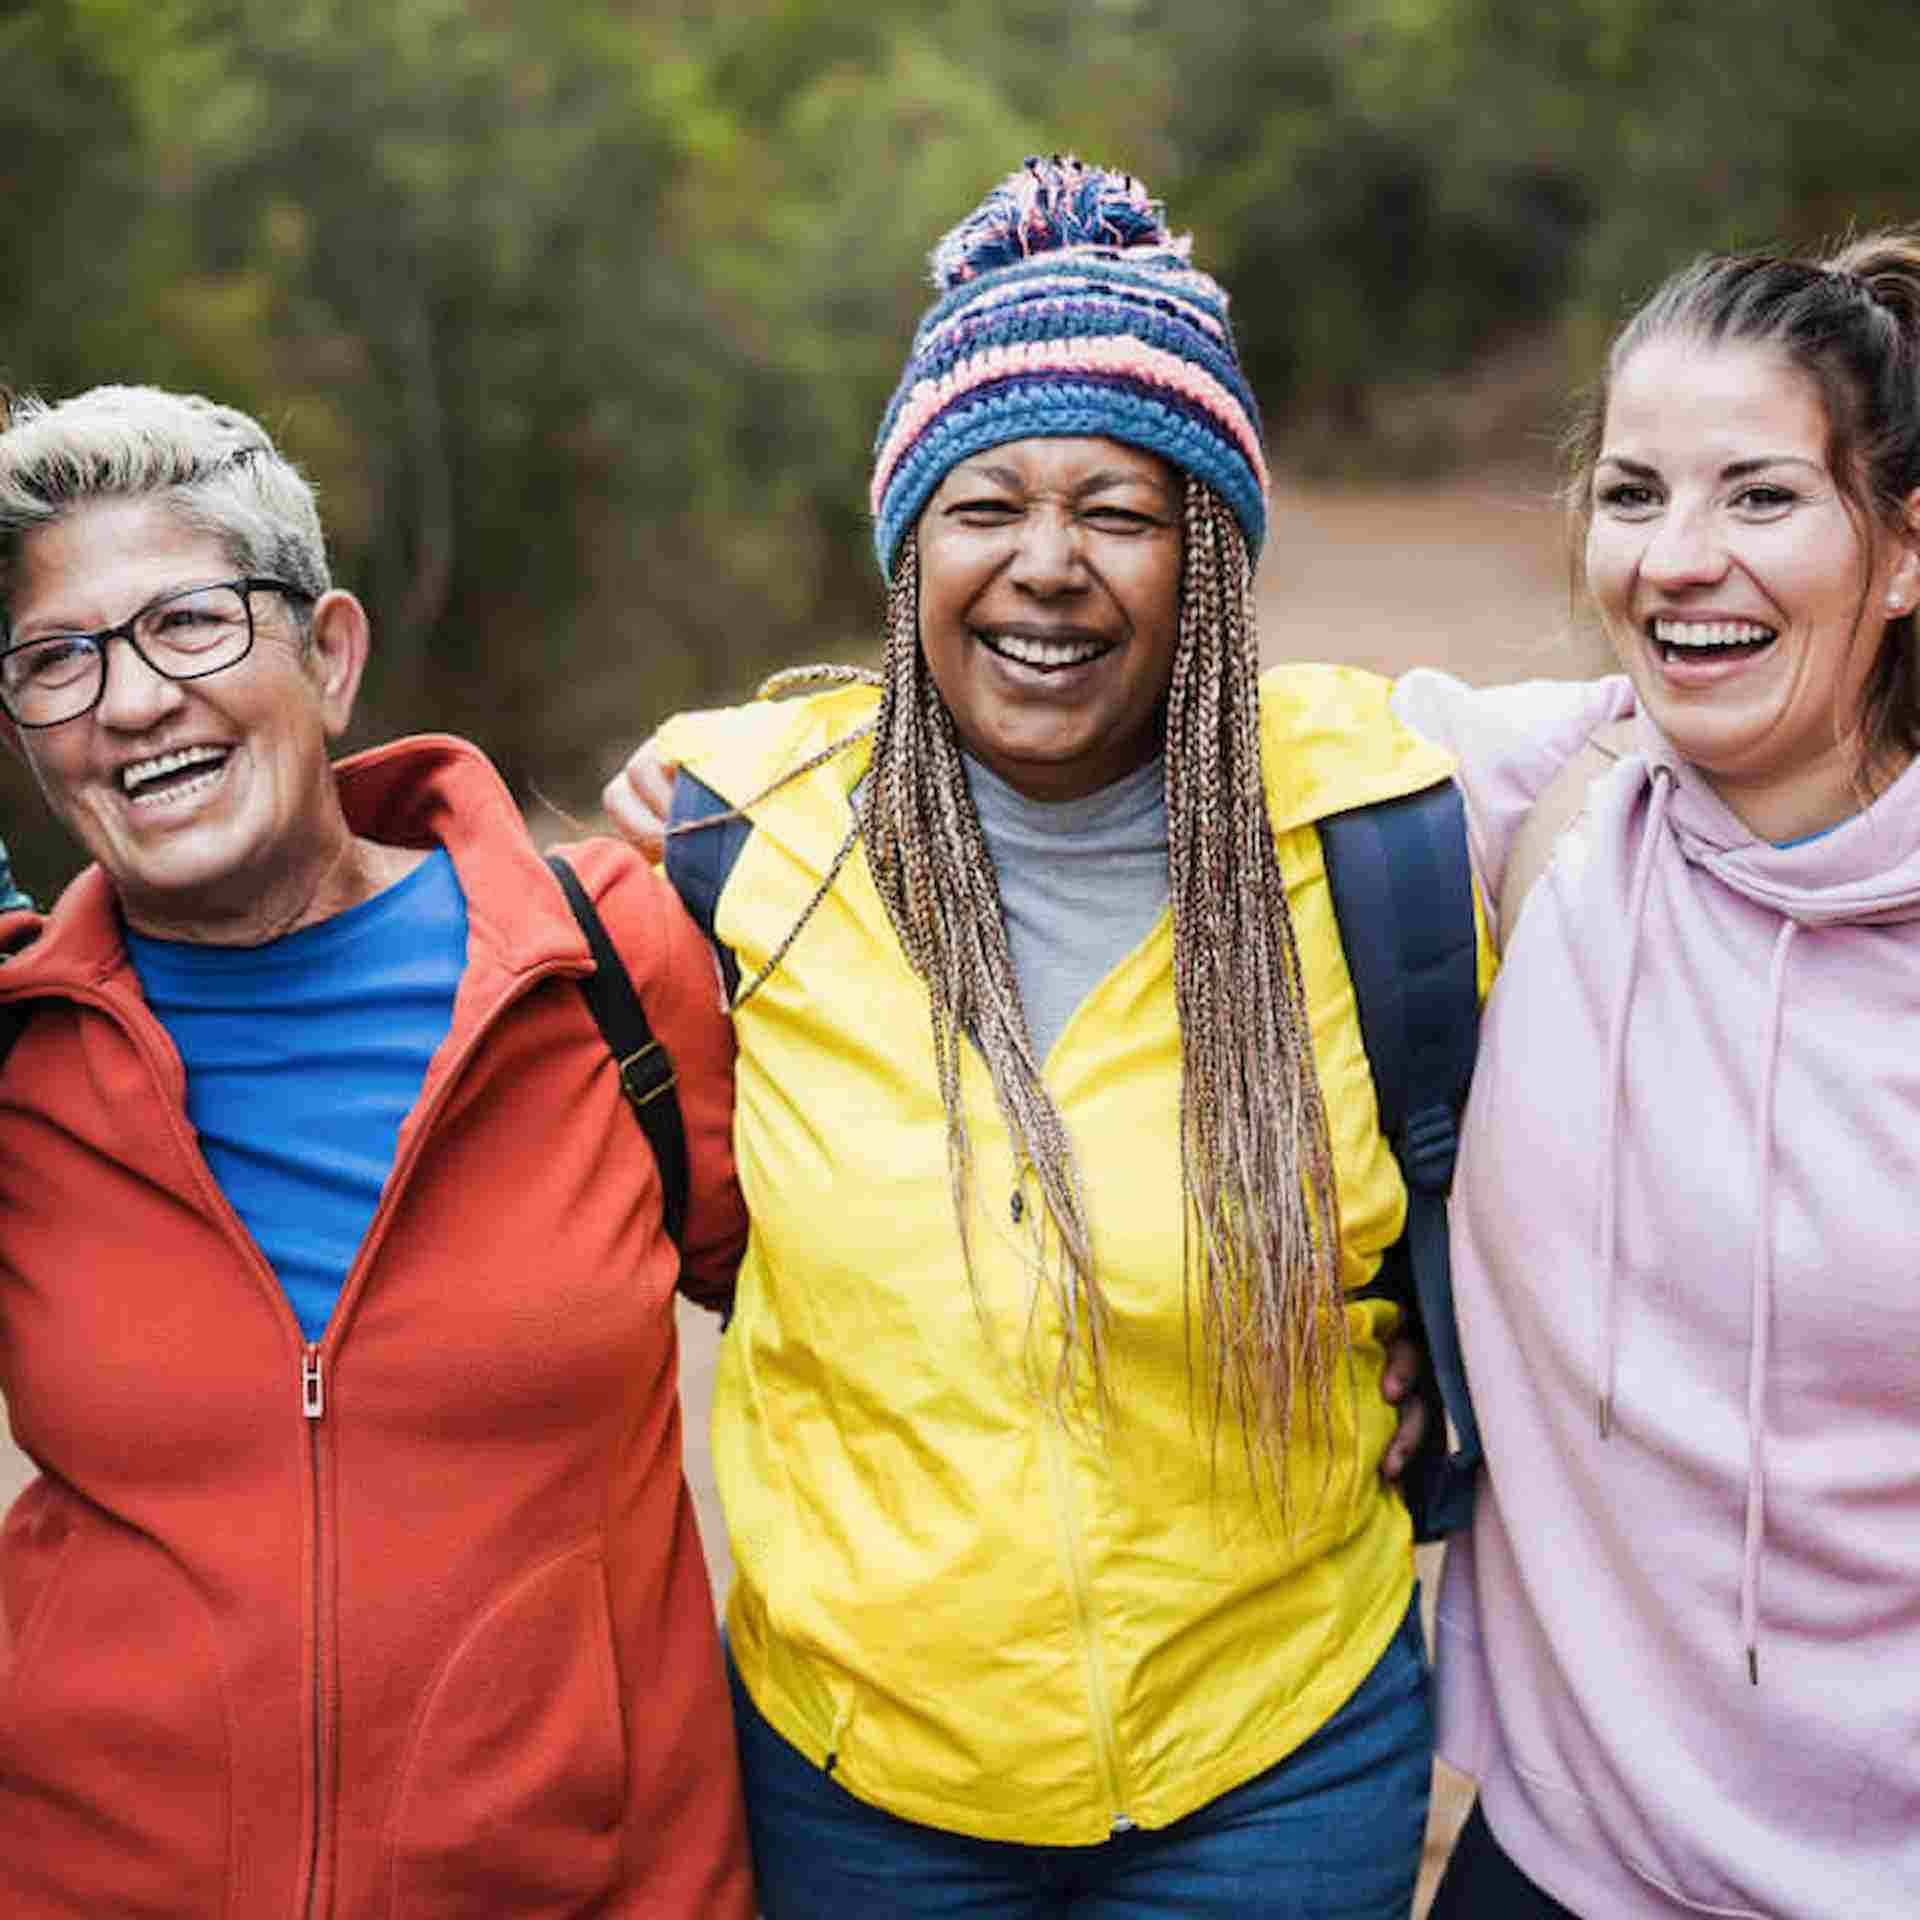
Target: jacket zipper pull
x=313, y=1396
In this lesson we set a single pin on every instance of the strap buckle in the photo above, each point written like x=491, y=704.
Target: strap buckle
x=647, y=1073
x=1432, y=1144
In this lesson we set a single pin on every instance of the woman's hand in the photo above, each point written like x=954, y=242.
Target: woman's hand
x=1399, y=1387
x=639, y=799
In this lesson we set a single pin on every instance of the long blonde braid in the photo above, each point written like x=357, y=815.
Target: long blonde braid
x=930, y=863
x=1256, y=1157
x=1261, y=1211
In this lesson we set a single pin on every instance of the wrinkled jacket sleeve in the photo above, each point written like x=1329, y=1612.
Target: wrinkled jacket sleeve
x=674, y=972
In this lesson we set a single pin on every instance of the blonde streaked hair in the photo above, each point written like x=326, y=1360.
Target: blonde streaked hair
x=213, y=466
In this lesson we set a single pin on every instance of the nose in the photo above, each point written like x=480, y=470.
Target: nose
x=135, y=696
x=1685, y=548
x=1048, y=560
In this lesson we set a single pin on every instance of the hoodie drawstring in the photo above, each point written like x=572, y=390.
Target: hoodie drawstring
x=1762, y=1301
x=1761, y=1285
x=1616, y=1092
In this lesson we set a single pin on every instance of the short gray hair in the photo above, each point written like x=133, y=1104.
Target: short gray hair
x=213, y=466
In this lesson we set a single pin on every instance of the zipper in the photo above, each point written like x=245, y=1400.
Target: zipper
x=313, y=1407
x=163, y=1063
x=1106, y=1740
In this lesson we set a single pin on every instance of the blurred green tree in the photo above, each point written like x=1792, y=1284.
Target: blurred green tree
x=582, y=317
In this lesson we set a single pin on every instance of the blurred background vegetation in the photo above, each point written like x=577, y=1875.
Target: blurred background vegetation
x=581, y=312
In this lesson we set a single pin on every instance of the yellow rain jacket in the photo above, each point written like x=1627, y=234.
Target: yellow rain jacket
x=978, y=1615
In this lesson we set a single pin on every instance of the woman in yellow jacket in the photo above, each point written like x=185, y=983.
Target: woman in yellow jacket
x=1048, y=1423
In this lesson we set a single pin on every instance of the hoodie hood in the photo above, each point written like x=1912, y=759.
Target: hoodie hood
x=1863, y=872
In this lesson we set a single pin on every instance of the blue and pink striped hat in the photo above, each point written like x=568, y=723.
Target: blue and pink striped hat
x=1068, y=308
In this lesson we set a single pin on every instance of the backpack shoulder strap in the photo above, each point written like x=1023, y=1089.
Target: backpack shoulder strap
x=646, y=1072
x=1557, y=808
x=1402, y=891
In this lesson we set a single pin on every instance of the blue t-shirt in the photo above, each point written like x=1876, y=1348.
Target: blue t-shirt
x=304, y=1056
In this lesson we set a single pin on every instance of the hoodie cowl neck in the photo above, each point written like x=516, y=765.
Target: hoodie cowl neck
x=1864, y=871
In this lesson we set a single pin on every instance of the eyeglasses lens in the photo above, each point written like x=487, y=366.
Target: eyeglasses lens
x=183, y=636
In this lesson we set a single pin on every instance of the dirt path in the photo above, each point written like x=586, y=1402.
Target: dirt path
x=1470, y=577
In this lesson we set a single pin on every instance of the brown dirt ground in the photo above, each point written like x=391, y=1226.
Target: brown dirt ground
x=1470, y=576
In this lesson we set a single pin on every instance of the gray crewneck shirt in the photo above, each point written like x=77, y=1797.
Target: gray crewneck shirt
x=1082, y=883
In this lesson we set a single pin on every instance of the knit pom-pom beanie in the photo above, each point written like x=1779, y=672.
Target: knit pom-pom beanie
x=1068, y=308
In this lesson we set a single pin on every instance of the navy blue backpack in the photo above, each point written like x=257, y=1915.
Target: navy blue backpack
x=1403, y=894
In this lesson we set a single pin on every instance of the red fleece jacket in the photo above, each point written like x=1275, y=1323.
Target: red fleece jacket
x=414, y=1622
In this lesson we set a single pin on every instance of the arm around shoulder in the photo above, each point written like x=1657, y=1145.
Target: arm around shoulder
x=1509, y=743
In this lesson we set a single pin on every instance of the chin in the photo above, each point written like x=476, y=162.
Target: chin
x=175, y=887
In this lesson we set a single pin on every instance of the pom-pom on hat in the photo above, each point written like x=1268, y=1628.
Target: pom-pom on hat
x=1068, y=308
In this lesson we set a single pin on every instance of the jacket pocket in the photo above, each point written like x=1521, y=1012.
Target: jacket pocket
x=515, y=1787
x=115, y=1722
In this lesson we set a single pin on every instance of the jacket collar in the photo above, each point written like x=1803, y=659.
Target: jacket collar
x=1328, y=739
x=424, y=791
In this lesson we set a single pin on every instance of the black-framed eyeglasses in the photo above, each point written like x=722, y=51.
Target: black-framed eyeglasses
x=184, y=635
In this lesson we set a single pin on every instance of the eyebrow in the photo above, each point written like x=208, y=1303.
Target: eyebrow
x=69, y=628
x=1102, y=481
x=1733, y=470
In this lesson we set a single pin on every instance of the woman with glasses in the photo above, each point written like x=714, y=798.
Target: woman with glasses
x=336, y=1299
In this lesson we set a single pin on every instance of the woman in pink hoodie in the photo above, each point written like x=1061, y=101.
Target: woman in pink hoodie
x=1681, y=1651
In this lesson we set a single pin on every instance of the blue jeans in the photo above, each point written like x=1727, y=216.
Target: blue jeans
x=1331, y=1833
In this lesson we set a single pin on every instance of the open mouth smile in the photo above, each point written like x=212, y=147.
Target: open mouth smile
x=170, y=779
x=1051, y=654
x=1700, y=641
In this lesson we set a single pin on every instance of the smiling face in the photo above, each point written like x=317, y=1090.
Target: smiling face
x=1050, y=608
x=1745, y=600
x=209, y=802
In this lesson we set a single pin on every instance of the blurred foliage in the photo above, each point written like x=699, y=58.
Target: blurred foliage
x=581, y=316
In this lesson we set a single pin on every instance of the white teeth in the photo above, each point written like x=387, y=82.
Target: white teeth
x=174, y=795
x=1043, y=653
x=136, y=775
x=1709, y=633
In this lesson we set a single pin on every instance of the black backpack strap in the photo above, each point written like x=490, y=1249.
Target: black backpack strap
x=1403, y=894
x=646, y=1072
x=700, y=864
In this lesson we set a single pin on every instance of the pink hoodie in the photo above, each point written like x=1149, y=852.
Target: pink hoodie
x=1681, y=1651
